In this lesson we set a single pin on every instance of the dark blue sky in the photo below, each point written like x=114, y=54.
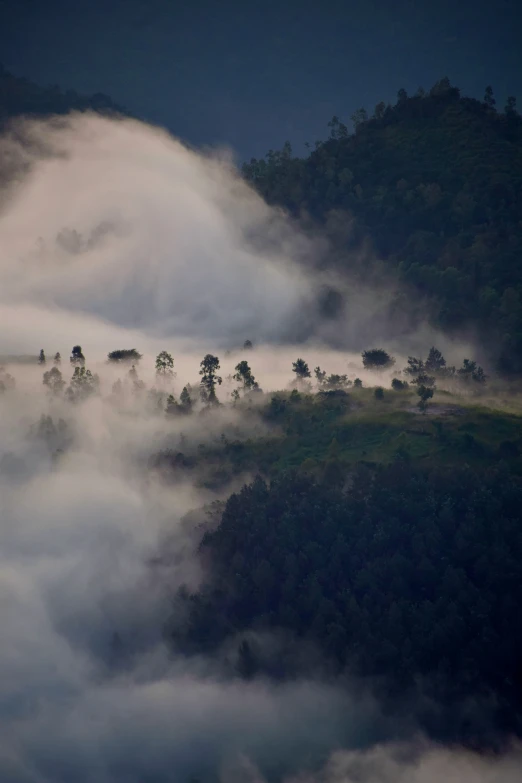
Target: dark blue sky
x=252, y=74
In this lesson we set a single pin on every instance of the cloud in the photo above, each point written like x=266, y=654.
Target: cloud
x=118, y=236
x=418, y=762
x=118, y=221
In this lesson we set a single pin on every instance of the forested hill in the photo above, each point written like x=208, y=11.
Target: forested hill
x=20, y=96
x=435, y=182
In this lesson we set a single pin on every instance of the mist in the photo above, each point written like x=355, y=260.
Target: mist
x=115, y=236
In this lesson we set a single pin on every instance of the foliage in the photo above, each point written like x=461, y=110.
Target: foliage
x=164, y=365
x=410, y=578
x=425, y=394
x=20, y=96
x=124, y=355
x=209, y=378
x=83, y=385
x=301, y=369
x=435, y=181
x=243, y=375
x=470, y=371
x=185, y=400
x=377, y=359
x=398, y=385
x=54, y=381
x=41, y=357
x=378, y=393
x=77, y=356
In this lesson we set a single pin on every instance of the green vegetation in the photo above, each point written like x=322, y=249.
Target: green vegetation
x=409, y=578
x=435, y=182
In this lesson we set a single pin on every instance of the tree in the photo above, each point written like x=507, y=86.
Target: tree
x=442, y=87
x=209, y=378
x=379, y=393
x=377, y=359
x=54, y=381
x=172, y=406
x=379, y=110
x=470, y=371
x=359, y=117
x=402, y=96
x=334, y=382
x=320, y=375
x=83, y=385
x=511, y=106
x=435, y=361
x=398, y=385
x=77, y=356
x=137, y=384
x=185, y=400
x=423, y=379
x=338, y=129
x=425, y=393
x=41, y=358
x=124, y=355
x=301, y=369
x=243, y=375
x=248, y=345
x=415, y=366
x=357, y=383
x=57, y=358
x=165, y=365
x=489, y=100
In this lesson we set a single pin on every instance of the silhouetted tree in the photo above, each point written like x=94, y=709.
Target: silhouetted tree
x=489, y=100
x=435, y=361
x=377, y=359
x=77, y=356
x=185, y=400
x=470, y=371
x=320, y=375
x=164, y=365
x=425, y=394
x=124, y=355
x=83, y=385
x=415, y=366
x=41, y=358
x=243, y=375
x=209, y=378
x=57, y=358
x=301, y=369
x=172, y=408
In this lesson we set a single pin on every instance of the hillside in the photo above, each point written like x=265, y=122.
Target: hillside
x=20, y=96
x=435, y=183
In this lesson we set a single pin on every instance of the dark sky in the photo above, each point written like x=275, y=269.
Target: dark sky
x=254, y=73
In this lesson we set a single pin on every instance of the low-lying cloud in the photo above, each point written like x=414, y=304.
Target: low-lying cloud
x=117, y=236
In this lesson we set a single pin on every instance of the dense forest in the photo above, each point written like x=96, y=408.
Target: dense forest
x=434, y=184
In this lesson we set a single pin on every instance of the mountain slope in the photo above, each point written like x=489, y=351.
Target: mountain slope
x=436, y=183
x=20, y=96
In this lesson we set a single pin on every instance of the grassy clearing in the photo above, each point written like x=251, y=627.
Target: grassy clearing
x=314, y=432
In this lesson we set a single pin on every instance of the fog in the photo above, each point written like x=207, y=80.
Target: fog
x=116, y=236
